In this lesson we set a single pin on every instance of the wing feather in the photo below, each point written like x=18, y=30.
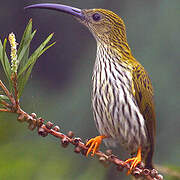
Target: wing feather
x=143, y=93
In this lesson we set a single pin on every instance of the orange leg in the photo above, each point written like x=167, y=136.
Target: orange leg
x=94, y=144
x=134, y=161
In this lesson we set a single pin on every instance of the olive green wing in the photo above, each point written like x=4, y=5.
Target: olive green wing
x=143, y=93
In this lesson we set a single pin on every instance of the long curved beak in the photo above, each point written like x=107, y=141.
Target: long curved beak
x=59, y=7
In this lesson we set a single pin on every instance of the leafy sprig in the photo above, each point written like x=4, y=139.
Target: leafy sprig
x=25, y=61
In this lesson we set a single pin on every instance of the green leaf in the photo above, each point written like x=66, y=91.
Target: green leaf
x=46, y=48
x=23, y=50
x=25, y=70
x=26, y=63
x=23, y=80
x=3, y=57
x=25, y=37
x=33, y=58
x=5, y=61
x=24, y=53
x=3, y=97
x=7, y=65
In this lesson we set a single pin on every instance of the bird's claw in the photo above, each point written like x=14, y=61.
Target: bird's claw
x=134, y=161
x=94, y=144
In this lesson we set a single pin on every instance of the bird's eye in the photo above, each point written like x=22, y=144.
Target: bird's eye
x=96, y=16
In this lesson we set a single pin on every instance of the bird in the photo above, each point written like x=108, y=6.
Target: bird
x=122, y=92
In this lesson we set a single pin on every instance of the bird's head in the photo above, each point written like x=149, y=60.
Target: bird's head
x=106, y=26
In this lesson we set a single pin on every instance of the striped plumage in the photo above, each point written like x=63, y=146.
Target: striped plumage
x=116, y=111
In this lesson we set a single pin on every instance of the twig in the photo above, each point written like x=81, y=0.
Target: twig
x=6, y=91
x=14, y=80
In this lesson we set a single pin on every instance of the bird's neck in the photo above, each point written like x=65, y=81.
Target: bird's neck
x=118, y=45
x=122, y=48
x=120, y=54
x=108, y=60
x=109, y=67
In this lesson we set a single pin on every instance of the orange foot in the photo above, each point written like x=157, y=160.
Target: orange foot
x=95, y=143
x=134, y=161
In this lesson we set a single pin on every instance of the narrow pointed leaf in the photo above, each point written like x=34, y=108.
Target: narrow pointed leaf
x=4, y=59
x=3, y=97
x=26, y=36
x=5, y=62
x=1, y=57
x=25, y=76
x=35, y=55
x=24, y=54
x=46, y=48
x=23, y=80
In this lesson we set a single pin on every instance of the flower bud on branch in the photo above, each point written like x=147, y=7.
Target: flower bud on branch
x=14, y=60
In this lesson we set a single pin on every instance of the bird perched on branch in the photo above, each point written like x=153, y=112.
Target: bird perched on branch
x=122, y=93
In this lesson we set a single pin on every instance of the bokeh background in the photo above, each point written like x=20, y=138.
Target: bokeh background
x=60, y=85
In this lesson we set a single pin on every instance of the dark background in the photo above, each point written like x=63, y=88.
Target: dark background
x=60, y=85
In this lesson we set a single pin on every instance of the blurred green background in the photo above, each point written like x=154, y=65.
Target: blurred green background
x=60, y=85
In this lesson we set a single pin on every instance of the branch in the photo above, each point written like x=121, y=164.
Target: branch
x=79, y=147
x=14, y=80
x=6, y=91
